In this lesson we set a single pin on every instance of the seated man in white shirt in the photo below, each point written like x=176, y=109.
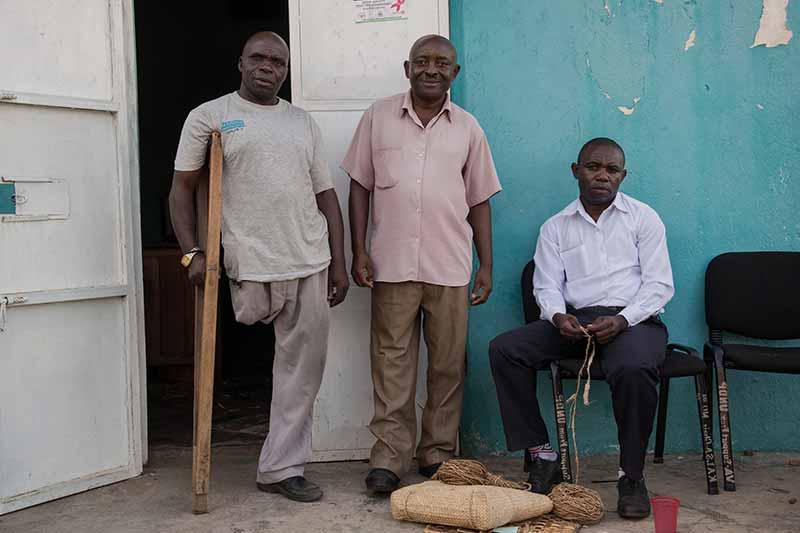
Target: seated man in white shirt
x=601, y=263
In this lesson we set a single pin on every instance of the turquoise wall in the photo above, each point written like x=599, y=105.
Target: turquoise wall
x=712, y=146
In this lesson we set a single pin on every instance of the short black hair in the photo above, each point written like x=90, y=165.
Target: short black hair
x=265, y=34
x=432, y=37
x=600, y=141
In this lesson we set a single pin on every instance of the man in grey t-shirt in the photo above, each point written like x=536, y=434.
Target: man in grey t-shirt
x=283, y=237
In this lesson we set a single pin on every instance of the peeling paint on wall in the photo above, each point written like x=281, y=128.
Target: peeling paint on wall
x=627, y=111
x=659, y=1
x=690, y=41
x=607, y=8
x=772, y=29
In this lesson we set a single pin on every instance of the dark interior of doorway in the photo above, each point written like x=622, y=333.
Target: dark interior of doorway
x=187, y=55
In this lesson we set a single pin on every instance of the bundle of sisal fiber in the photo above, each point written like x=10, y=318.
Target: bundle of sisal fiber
x=469, y=472
x=577, y=503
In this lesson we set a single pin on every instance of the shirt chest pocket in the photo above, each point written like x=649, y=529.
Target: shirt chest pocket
x=577, y=263
x=624, y=249
x=388, y=164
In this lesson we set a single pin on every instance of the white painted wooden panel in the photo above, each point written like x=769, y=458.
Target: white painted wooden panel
x=343, y=65
x=56, y=47
x=78, y=147
x=63, y=394
x=339, y=69
x=344, y=404
x=72, y=352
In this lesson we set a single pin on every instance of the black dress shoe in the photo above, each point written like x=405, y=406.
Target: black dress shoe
x=430, y=470
x=382, y=481
x=543, y=475
x=633, y=499
x=295, y=488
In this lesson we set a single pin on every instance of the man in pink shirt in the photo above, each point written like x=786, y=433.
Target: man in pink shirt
x=427, y=165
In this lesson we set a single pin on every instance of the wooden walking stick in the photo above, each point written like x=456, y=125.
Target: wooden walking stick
x=206, y=325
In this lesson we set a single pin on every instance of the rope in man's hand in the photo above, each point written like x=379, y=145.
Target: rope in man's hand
x=588, y=358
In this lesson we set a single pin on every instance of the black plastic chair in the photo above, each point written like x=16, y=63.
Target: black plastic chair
x=756, y=295
x=680, y=361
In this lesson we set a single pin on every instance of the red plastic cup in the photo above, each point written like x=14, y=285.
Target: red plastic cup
x=665, y=513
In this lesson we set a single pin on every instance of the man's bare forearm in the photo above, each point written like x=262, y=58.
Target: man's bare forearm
x=182, y=207
x=480, y=218
x=359, y=213
x=328, y=204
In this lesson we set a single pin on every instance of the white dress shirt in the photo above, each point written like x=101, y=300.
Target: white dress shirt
x=619, y=261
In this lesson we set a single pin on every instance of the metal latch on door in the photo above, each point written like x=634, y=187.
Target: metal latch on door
x=30, y=199
x=5, y=301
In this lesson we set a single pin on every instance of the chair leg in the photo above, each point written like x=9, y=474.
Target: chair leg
x=708, y=377
x=561, y=423
x=728, y=477
x=661, y=421
x=706, y=434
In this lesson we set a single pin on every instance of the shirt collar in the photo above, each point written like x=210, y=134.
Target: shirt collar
x=577, y=207
x=620, y=203
x=408, y=106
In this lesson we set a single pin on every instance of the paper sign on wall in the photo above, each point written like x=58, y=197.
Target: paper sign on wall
x=379, y=10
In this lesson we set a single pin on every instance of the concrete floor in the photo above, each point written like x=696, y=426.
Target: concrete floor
x=159, y=500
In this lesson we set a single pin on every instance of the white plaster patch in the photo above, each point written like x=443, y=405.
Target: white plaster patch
x=628, y=111
x=772, y=29
x=760, y=106
x=690, y=41
x=659, y=1
x=607, y=8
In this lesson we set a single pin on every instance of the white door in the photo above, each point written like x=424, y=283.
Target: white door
x=71, y=349
x=345, y=54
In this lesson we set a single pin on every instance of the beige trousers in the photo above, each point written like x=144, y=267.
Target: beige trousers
x=399, y=311
x=299, y=310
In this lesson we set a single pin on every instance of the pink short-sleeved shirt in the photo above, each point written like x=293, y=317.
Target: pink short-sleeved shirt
x=424, y=180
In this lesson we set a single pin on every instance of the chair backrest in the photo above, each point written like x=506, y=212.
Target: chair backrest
x=529, y=306
x=755, y=294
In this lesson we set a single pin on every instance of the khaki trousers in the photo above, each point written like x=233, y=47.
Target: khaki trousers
x=299, y=310
x=399, y=311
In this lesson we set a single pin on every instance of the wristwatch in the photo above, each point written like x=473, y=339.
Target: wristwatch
x=186, y=260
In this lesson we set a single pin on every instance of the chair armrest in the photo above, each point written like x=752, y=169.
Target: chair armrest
x=711, y=351
x=688, y=350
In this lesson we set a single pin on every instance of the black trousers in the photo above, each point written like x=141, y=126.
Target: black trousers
x=630, y=362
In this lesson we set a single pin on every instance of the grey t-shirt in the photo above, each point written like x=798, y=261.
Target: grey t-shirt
x=273, y=167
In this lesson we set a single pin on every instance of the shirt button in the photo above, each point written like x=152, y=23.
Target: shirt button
x=419, y=181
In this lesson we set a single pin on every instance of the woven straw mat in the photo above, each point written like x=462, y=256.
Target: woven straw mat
x=471, y=506
x=548, y=523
